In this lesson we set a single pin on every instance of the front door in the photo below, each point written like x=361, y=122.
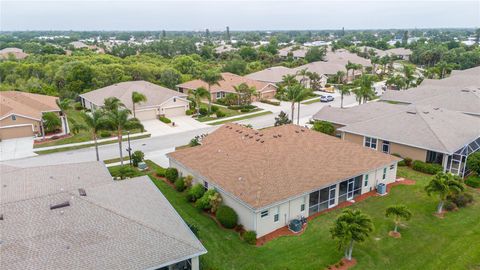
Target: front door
x=331, y=196
x=350, y=186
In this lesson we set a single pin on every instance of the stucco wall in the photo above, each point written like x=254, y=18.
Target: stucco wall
x=20, y=121
x=353, y=138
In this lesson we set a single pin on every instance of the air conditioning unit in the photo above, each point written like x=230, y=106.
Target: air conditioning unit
x=382, y=189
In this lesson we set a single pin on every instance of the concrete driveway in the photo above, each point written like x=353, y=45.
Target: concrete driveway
x=182, y=124
x=16, y=148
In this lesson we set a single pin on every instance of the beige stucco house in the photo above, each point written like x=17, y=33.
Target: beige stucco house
x=226, y=85
x=21, y=113
x=272, y=176
x=161, y=101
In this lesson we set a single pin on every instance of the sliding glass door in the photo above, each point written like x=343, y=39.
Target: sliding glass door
x=322, y=199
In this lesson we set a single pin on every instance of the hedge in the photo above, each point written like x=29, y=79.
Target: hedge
x=195, y=193
x=165, y=120
x=430, y=168
x=227, y=217
x=180, y=185
x=250, y=237
x=473, y=181
x=171, y=174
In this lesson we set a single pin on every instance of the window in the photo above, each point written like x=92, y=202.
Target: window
x=371, y=143
x=384, y=173
x=386, y=147
x=14, y=117
x=264, y=214
x=392, y=167
x=434, y=157
x=277, y=215
x=220, y=94
x=366, y=180
x=302, y=207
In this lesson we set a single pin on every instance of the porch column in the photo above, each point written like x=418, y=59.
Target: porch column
x=195, y=263
x=445, y=162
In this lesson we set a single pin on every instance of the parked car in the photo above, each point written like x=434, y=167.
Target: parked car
x=323, y=99
x=330, y=98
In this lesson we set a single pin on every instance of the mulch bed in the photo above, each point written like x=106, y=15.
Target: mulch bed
x=41, y=141
x=440, y=215
x=394, y=234
x=344, y=264
x=284, y=231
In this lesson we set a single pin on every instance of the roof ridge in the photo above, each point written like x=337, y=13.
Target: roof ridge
x=135, y=220
x=430, y=128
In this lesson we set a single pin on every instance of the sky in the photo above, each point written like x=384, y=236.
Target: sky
x=238, y=15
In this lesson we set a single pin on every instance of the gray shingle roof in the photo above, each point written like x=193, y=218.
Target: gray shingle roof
x=426, y=127
x=119, y=224
x=155, y=94
x=272, y=74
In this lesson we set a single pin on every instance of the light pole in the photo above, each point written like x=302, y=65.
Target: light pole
x=129, y=149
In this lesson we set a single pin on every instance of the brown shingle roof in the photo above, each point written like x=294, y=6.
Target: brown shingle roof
x=226, y=85
x=26, y=104
x=264, y=167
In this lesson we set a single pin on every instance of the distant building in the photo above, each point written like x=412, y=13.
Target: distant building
x=16, y=53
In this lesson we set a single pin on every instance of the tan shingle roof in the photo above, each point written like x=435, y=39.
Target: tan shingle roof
x=226, y=85
x=27, y=104
x=334, y=61
x=264, y=167
x=426, y=127
x=110, y=228
x=155, y=94
x=16, y=52
x=271, y=75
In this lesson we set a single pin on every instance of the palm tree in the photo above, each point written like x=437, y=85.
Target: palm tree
x=137, y=98
x=348, y=67
x=314, y=78
x=304, y=74
x=211, y=77
x=64, y=105
x=350, y=227
x=245, y=93
x=119, y=121
x=293, y=93
x=299, y=98
x=94, y=122
x=112, y=104
x=200, y=93
x=340, y=77
x=289, y=80
x=398, y=212
x=444, y=184
x=344, y=91
x=364, y=90
x=375, y=60
x=408, y=74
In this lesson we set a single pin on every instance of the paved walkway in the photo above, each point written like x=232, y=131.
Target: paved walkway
x=132, y=136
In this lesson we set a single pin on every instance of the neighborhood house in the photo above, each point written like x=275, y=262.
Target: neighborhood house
x=273, y=176
x=160, y=101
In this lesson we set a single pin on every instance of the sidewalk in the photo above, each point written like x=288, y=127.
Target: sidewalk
x=133, y=136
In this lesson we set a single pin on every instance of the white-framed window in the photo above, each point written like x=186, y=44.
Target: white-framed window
x=366, y=180
x=264, y=214
x=370, y=143
x=302, y=206
x=386, y=147
x=384, y=173
x=221, y=94
x=276, y=217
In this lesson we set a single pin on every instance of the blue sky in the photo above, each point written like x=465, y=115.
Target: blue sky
x=239, y=15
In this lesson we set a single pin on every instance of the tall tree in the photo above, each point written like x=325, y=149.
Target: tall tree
x=64, y=105
x=398, y=212
x=364, y=88
x=282, y=119
x=95, y=122
x=294, y=94
x=344, y=91
x=442, y=185
x=304, y=73
x=112, y=104
x=199, y=94
x=211, y=77
x=137, y=98
x=245, y=93
x=118, y=120
x=350, y=227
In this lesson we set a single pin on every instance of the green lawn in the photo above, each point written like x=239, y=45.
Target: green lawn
x=240, y=118
x=226, y=111
x=427, y=242
x=312, y=101
x=82, y=136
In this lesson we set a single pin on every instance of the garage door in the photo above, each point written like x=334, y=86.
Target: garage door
x=146, y=115
x=16, y=132
x=174, y=111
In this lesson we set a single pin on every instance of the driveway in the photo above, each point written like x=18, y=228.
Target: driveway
x=16, y=148
x=182, y=124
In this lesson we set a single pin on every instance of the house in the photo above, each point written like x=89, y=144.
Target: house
x=21, y=113
x=459, y=92
x=225, y=86
x=78, y=45
x=297, y=52
x=75, y=216
x=273, y=75
x=225, y=48
x=401, y=53
x=272, y=176
x=16, y=53
x=161, y=101
x=420, y=132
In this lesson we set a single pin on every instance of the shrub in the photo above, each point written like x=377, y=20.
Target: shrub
x=165, y=120
x=188, y=181
x=215, y=108
x=190, y=111
x=194, y=141
x=195, y=193
x=250, y=237
x=78, y=106
x=250, y=107
x=430, y=168
x=473, y=162
x=461, y=199
x=171, y=174
x=449, y=206
x=105, y=134
x=160, y=172
x=274, y=103
x=235, y=107
x=402, y=163
x=324, y=127
x=210, y=200
x=126, y=171
x=473, y=181
x=203, y=111
x=244, y=110
x=180, y=185
x=227, y=216
x=408, y=161
x=220, y=114
x=137, y=157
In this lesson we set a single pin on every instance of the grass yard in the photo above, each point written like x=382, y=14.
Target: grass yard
x=240, y=118
x=427, y=242
x=226, y=111
x=81, y=136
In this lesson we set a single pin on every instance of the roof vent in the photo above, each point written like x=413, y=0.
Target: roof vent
x=60, y=205
x=436, y=109
x=82, y=192
x=274, y=136
x=296, y=131
x=412, y=112
x=257, y=139
x=251, y=136
x=262, y=141
x=1, y=217
x=261, y=135
x=302, y=130
x=465, y=90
